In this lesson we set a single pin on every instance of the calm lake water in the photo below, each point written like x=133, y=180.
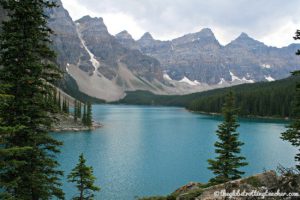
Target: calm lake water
x=144, y=151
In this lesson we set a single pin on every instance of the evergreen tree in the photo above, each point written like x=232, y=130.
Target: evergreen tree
x=297, y=37
x=79, y=110
x=27, y=68
x=89, y=120
x=82, y=176
x=75, y=110
x=68, y=107
x=292, y=134
x=59, y=102
x=84, y=114
x=9, y=152
x=226, y=164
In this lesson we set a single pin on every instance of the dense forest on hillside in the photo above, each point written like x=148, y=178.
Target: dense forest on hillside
x=258, y=99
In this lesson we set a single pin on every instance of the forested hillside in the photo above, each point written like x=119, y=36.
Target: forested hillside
x=259, y=99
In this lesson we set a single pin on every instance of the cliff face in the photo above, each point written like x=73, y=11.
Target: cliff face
x=66, y=41
x=110, y=53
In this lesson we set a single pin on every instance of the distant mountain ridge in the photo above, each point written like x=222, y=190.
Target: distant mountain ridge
x=199, y=56
x=106, y=67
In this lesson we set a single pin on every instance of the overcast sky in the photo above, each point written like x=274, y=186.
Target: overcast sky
x=270, y=21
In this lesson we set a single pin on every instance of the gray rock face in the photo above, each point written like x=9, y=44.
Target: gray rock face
x=125, y=39
x=199, y=56
x=66, y=41
x=110, y=52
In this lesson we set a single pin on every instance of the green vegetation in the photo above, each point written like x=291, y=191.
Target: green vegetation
x=27, y=70
x=84, y=179
x=87, y=115
x=272, y=99
x=292, y=133
x=225, y=166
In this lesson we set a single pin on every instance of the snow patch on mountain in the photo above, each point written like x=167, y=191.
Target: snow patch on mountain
x=188, y=81
x=93, y=59
x=267, y=66
x=222, y=81
x=269, y=78
x=248, y=81
x=167, y=77
x=234, y=77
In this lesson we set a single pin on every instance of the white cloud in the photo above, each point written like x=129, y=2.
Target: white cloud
x=117, y=22
x=270, y=21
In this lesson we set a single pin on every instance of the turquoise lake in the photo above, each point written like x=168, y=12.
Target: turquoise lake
x=144, y=151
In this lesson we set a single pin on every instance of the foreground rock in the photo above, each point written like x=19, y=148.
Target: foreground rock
x=267, y=185
x=66, y=123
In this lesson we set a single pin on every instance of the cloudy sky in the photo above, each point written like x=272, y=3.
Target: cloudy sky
x=270, y=21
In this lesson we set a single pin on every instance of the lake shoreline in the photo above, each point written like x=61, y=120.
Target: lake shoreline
x=66, y=123
x=242, y=116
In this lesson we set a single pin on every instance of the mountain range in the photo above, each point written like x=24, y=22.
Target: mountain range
x=106, y=66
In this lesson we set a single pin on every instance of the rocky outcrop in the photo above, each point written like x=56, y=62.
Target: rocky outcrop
x=250, y=188
x=66, y=123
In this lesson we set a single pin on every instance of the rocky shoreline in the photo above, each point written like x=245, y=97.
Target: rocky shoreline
x=258, y=186
x=66, y=123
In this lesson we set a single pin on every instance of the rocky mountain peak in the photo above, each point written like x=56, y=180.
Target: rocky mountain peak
x=244, y=36
x=203, y=37
x=244, y=40
x=124, y=35
x=93, y=23
x=206, y=32
x=146, y=36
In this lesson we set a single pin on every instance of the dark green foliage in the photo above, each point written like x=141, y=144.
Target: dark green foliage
x=27, y=69
x=228, y=161
x=292, y=134
x=82, y=176
x=78, y=109
x=9, y=165
x=84, y=114
x=260, y=99
x=297, y=37
x=75, y=110
x=59, y=105
x=257, y=99
x=65, y=106
x=89, y=120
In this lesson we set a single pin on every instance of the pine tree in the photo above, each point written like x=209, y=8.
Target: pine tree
x=79, y=110
x=89, y=120
x=84, y=115
x=12, y=152
x=297, y=37
x=82, y=176
x=59, y=102
x=68, y=107
x=27, y=68
x=292, y=134
x=226, y=164
x=75, y=110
